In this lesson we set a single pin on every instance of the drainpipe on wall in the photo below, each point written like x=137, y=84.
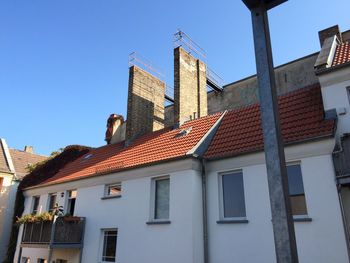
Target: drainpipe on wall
x=205, y=211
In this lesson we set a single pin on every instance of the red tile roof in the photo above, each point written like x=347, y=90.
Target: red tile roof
x=301, y=116
x=152, y=148
x=342, y=54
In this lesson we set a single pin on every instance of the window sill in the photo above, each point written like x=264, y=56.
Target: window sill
x=233, y=221
x=158, y=222
x=304, y=218
x=110, y=197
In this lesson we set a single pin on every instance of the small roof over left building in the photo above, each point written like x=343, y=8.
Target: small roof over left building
x=17, y=161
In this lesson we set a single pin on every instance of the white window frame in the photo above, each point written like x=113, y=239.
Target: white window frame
x=348, y=92
x=107, y=186
x=221, y=197
x=33, y=202
x=48, y=200
x=66, y=201
x=291, y=163
x=101, y=244
x=153, y=198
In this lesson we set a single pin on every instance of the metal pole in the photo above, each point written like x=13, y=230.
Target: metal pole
x=283, y=225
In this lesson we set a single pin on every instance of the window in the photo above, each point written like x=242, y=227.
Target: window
x=113, y=189
x=1, y=181
x=25, y=260
x=109, y=245
x=232, y=195
x=35, y=205
x=160, y=192
x=348, y=90
x=41, y=260
x=61, y=261
x=52, y=202
x=296, y=190
x=72, y=195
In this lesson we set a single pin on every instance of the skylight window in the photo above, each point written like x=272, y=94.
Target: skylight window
x=183, y=132
x=87, y=157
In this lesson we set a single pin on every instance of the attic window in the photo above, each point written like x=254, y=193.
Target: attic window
x=183, y=132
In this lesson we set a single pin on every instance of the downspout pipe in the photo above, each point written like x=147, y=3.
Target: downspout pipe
x=205, y=211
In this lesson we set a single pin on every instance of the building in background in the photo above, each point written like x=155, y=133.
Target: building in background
x=188, y=183
x=13, y=167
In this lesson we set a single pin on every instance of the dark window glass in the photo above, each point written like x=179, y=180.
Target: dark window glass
x=52, y=202
x=161, y=209
x=233, y=195
x=109, y=245
x=36, y=200
x=115, y=189
x=72, y=195
x=1, y=182
x=296, y=190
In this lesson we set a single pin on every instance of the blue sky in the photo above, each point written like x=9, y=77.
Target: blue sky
x=64, y=64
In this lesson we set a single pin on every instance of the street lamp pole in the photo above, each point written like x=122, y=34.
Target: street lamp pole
x=282, y=221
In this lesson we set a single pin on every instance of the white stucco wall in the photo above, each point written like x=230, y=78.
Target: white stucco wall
x=335, y=96
x=137, y=241
x=7, y=200
x=321, y=240
x=179, y=241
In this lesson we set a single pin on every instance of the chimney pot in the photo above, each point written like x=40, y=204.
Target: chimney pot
x=28, y=149
x=115, y=129
x=329, y=32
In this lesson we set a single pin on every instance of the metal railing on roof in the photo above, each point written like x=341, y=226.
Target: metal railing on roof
x=135, y=59
x=214, y=81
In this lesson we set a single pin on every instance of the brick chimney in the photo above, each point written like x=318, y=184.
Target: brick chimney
x=28, y=149
x=190, y=90
x=145, y=103
x=329, y=32
x=115, y=129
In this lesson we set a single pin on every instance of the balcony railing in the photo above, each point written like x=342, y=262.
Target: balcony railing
x=65, y=232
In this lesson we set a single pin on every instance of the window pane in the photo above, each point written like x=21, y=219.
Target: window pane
x=296, y=190
x=233, y=195
x=109, y=245
x=114, y=189
x=161, y=199
x=52, y=202
x=72, y=194
x=35, y=204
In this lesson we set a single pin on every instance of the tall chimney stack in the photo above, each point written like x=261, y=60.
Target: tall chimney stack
x=190, y=89
x=145, y=103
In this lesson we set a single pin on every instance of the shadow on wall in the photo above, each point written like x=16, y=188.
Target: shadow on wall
x=143, y=117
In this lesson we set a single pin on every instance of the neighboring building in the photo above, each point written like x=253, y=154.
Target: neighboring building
x=189, y=187
x=13, y=167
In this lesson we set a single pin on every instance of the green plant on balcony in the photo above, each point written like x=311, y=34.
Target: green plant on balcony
x=57, y=211
x=46, y=216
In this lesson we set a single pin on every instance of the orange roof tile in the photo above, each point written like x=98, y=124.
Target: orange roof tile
x=151, y=148
x=342, y=54
x=301, y=117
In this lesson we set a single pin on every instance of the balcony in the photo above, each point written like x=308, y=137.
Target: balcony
x=62, y=233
